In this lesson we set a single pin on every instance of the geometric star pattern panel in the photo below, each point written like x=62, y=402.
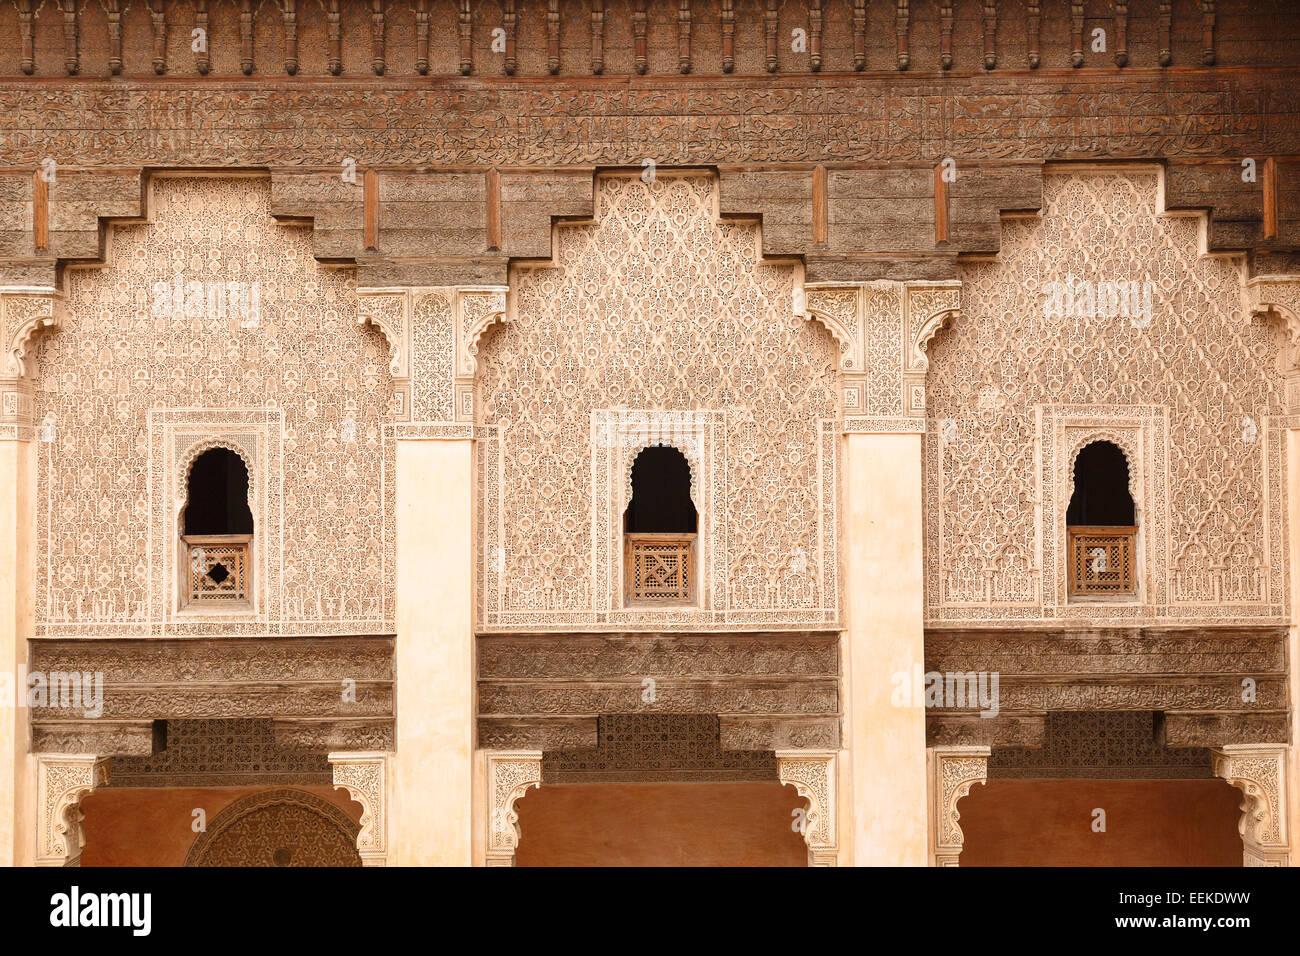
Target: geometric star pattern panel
x=212, y=312
x=1102, y=310
x=659, y=308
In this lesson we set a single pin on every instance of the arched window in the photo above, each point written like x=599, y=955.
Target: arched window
x=1101, y=524
x=660, y=527
x=217, y=530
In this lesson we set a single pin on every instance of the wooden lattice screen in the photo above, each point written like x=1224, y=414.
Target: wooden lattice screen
x=1102, y=560
x=660, y=568
x=218, y=567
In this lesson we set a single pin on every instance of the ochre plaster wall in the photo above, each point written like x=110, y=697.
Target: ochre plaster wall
x=668, y=824
x=151, y=827
x=1148, y=823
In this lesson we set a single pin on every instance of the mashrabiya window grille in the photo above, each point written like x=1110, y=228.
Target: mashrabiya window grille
x=1100, y=525
x=660, y=529
x=217, y=540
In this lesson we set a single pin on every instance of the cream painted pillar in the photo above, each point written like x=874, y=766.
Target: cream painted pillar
x=17, y=515
x=432, y=800
x=884, y=638
x=1293, y=634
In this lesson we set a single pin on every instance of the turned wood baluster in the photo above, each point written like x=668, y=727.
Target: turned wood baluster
x=1033, y=17
x=378, y=62
x=422, y=37
x=1121, y=32
x=1207, y=24
x=290, y=16
x=728, y=35
x=1076, y=34
x=638, y=32
x=945, y=35
x=902, y=16
x=815, y=35
x=28, y=42
x=859, y=34
x=159, y=18
x=990, y=34
x=466, y=38
x=246, y=37
x=202, y=59
x=509, y=20
x=333, y=29
x=553, y=36
x=684, y=36
x=598, y=36
x=71, y=59
x=770, y=16
x=1166, y=29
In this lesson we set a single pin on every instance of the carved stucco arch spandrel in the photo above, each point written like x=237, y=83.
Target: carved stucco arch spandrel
x=62, y=782
x=1259, y=772
x=510, y=774
x=812, y=774
x=23, y=314
x=954, y=771
x=884, y=329
x=1278, y=297
x=364, y=775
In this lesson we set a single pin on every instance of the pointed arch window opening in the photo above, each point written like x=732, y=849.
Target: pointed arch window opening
x=1101, y=525
x=660, y=527
x=217, y=533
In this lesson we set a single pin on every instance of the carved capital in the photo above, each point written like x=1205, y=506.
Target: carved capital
x=23, y=313
x=388, y=311
x=1259, y=772
x=812, y=774
x=365, y=777
x=510, y=773
x=1278, y=297
x=62, y=782
x=954, y=771
x=930, y=307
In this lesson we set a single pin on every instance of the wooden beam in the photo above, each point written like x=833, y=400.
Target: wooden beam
x=1270, y=198
x=40, y=212
x=370, y=227
x=821, y=224
x=493, y=209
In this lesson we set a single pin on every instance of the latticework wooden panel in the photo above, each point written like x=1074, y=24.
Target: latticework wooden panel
x=1101, y=560
x=218, y=567
x=660, y=568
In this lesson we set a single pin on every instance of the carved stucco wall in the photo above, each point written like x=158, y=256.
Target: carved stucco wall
x=657, y=305
x=133, y=387
x=1013, y=394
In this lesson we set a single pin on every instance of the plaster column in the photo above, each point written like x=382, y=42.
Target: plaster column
x=433, y=767
x=1293, y=632
x=17, y=525
x=884, y=638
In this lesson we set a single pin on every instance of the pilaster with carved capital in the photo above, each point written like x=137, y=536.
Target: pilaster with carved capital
x=62, y=782
x=1259, y=772
x=510, y=774
x=954, y=771
x=364, y=775
x=812, y=774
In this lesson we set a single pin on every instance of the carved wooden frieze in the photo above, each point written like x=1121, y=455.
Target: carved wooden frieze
x=676, y=122
x=768, y=690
